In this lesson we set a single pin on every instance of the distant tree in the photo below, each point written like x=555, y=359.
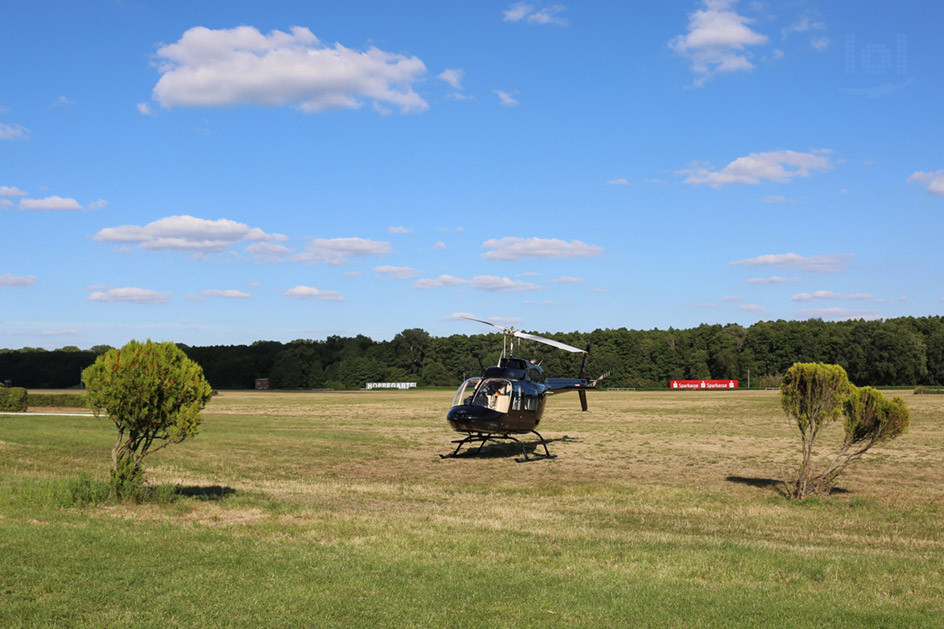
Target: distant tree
x=100, y=349
x=154, y=394
x=815, y=394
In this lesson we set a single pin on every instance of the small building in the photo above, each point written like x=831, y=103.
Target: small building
x=262, y=383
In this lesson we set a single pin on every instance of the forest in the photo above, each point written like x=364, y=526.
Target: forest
x=892, y=352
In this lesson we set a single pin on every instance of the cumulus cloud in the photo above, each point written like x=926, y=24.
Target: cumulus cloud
x=397, y=272
x=776, y=166
x=337, y=250
x=513, y=249
x=144, y=109
x=130, y=295
x=13, y=132
x=825, y=294
x=307, y=292
x=506, y=99
x=833, y=263
x=531, y=13
x=489, y=283
x=8, y=279
x=11, y=191
x=399, y=229
x=5, y=202
x=440, y=245
x=269, y=252
x=567, y=279
x=240, y=66
x=933, y=181
x=622, y=181
x=101, y=204
x=752, y=308
x=186, y=233
x=717, y=41
x=50, y=203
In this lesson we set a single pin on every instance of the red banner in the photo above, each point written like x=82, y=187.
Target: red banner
x=704, y=384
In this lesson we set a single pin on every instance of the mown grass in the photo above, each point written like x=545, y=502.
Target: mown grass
x=333, y=509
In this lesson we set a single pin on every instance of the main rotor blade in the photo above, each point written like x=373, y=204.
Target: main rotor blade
x=551, y=342
x=494, y=325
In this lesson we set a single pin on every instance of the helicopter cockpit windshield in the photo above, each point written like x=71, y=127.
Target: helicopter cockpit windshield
x=493, y=393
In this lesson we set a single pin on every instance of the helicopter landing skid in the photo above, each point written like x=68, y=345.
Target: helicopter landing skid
x=482, y=437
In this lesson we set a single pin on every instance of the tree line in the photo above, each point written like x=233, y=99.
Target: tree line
x=904, y=351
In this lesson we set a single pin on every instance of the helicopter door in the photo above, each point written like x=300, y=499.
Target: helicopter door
x=493, y=393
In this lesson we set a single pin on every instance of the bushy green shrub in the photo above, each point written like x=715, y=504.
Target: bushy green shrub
x=814, y=395
x=13, y=400
x=57, y=400
x=154, y=394
x=922, y=390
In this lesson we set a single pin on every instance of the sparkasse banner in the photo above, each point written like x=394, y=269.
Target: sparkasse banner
x=704, y=384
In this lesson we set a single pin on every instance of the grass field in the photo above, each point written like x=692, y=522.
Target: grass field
x=333, y=509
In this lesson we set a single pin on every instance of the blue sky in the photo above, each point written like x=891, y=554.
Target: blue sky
x=223, y=172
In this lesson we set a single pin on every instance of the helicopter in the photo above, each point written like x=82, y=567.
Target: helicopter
x=509, y=398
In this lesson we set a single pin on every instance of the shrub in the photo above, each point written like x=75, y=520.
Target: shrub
x=814, y=395
x=13, y=400
x=154, y=394
x=57, y=400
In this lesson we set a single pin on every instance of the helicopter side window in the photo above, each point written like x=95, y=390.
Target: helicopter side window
x=516, y=397
x=530, y=402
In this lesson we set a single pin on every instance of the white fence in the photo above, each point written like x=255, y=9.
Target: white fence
x=390, y=385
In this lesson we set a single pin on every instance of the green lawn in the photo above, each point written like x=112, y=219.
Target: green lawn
x=333, y=509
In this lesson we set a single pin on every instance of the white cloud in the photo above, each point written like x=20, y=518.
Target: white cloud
x=306, y=292
x=8, y=279
x=773, y=279
x=622, y=181
x=397, y=272
x=731, y=299
x=6, y=203
x=269, y=252
x=494, y=283
x=773, y=198
x=934, y=181
x=130, y=295
x=63, y=101
x=833, y=263
x=453, y=77
x=489, y=283
x=226, y=294
x=837, y=313
x=442, y=281
x=531, y=13
x=186, y=233
x=218, y=68
x=777, y=166
x=399, y=230
x=440, y=245
x=824, y=294
x=505, y=98
x=337, y=250
x=13, y=132
x=11, y=191
x=512, y=249
x=457, y=316
x=144, y=109
x=716, y=41
x=50, y=203
x=101, y=204
x=752, y=308
x=566, y=279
